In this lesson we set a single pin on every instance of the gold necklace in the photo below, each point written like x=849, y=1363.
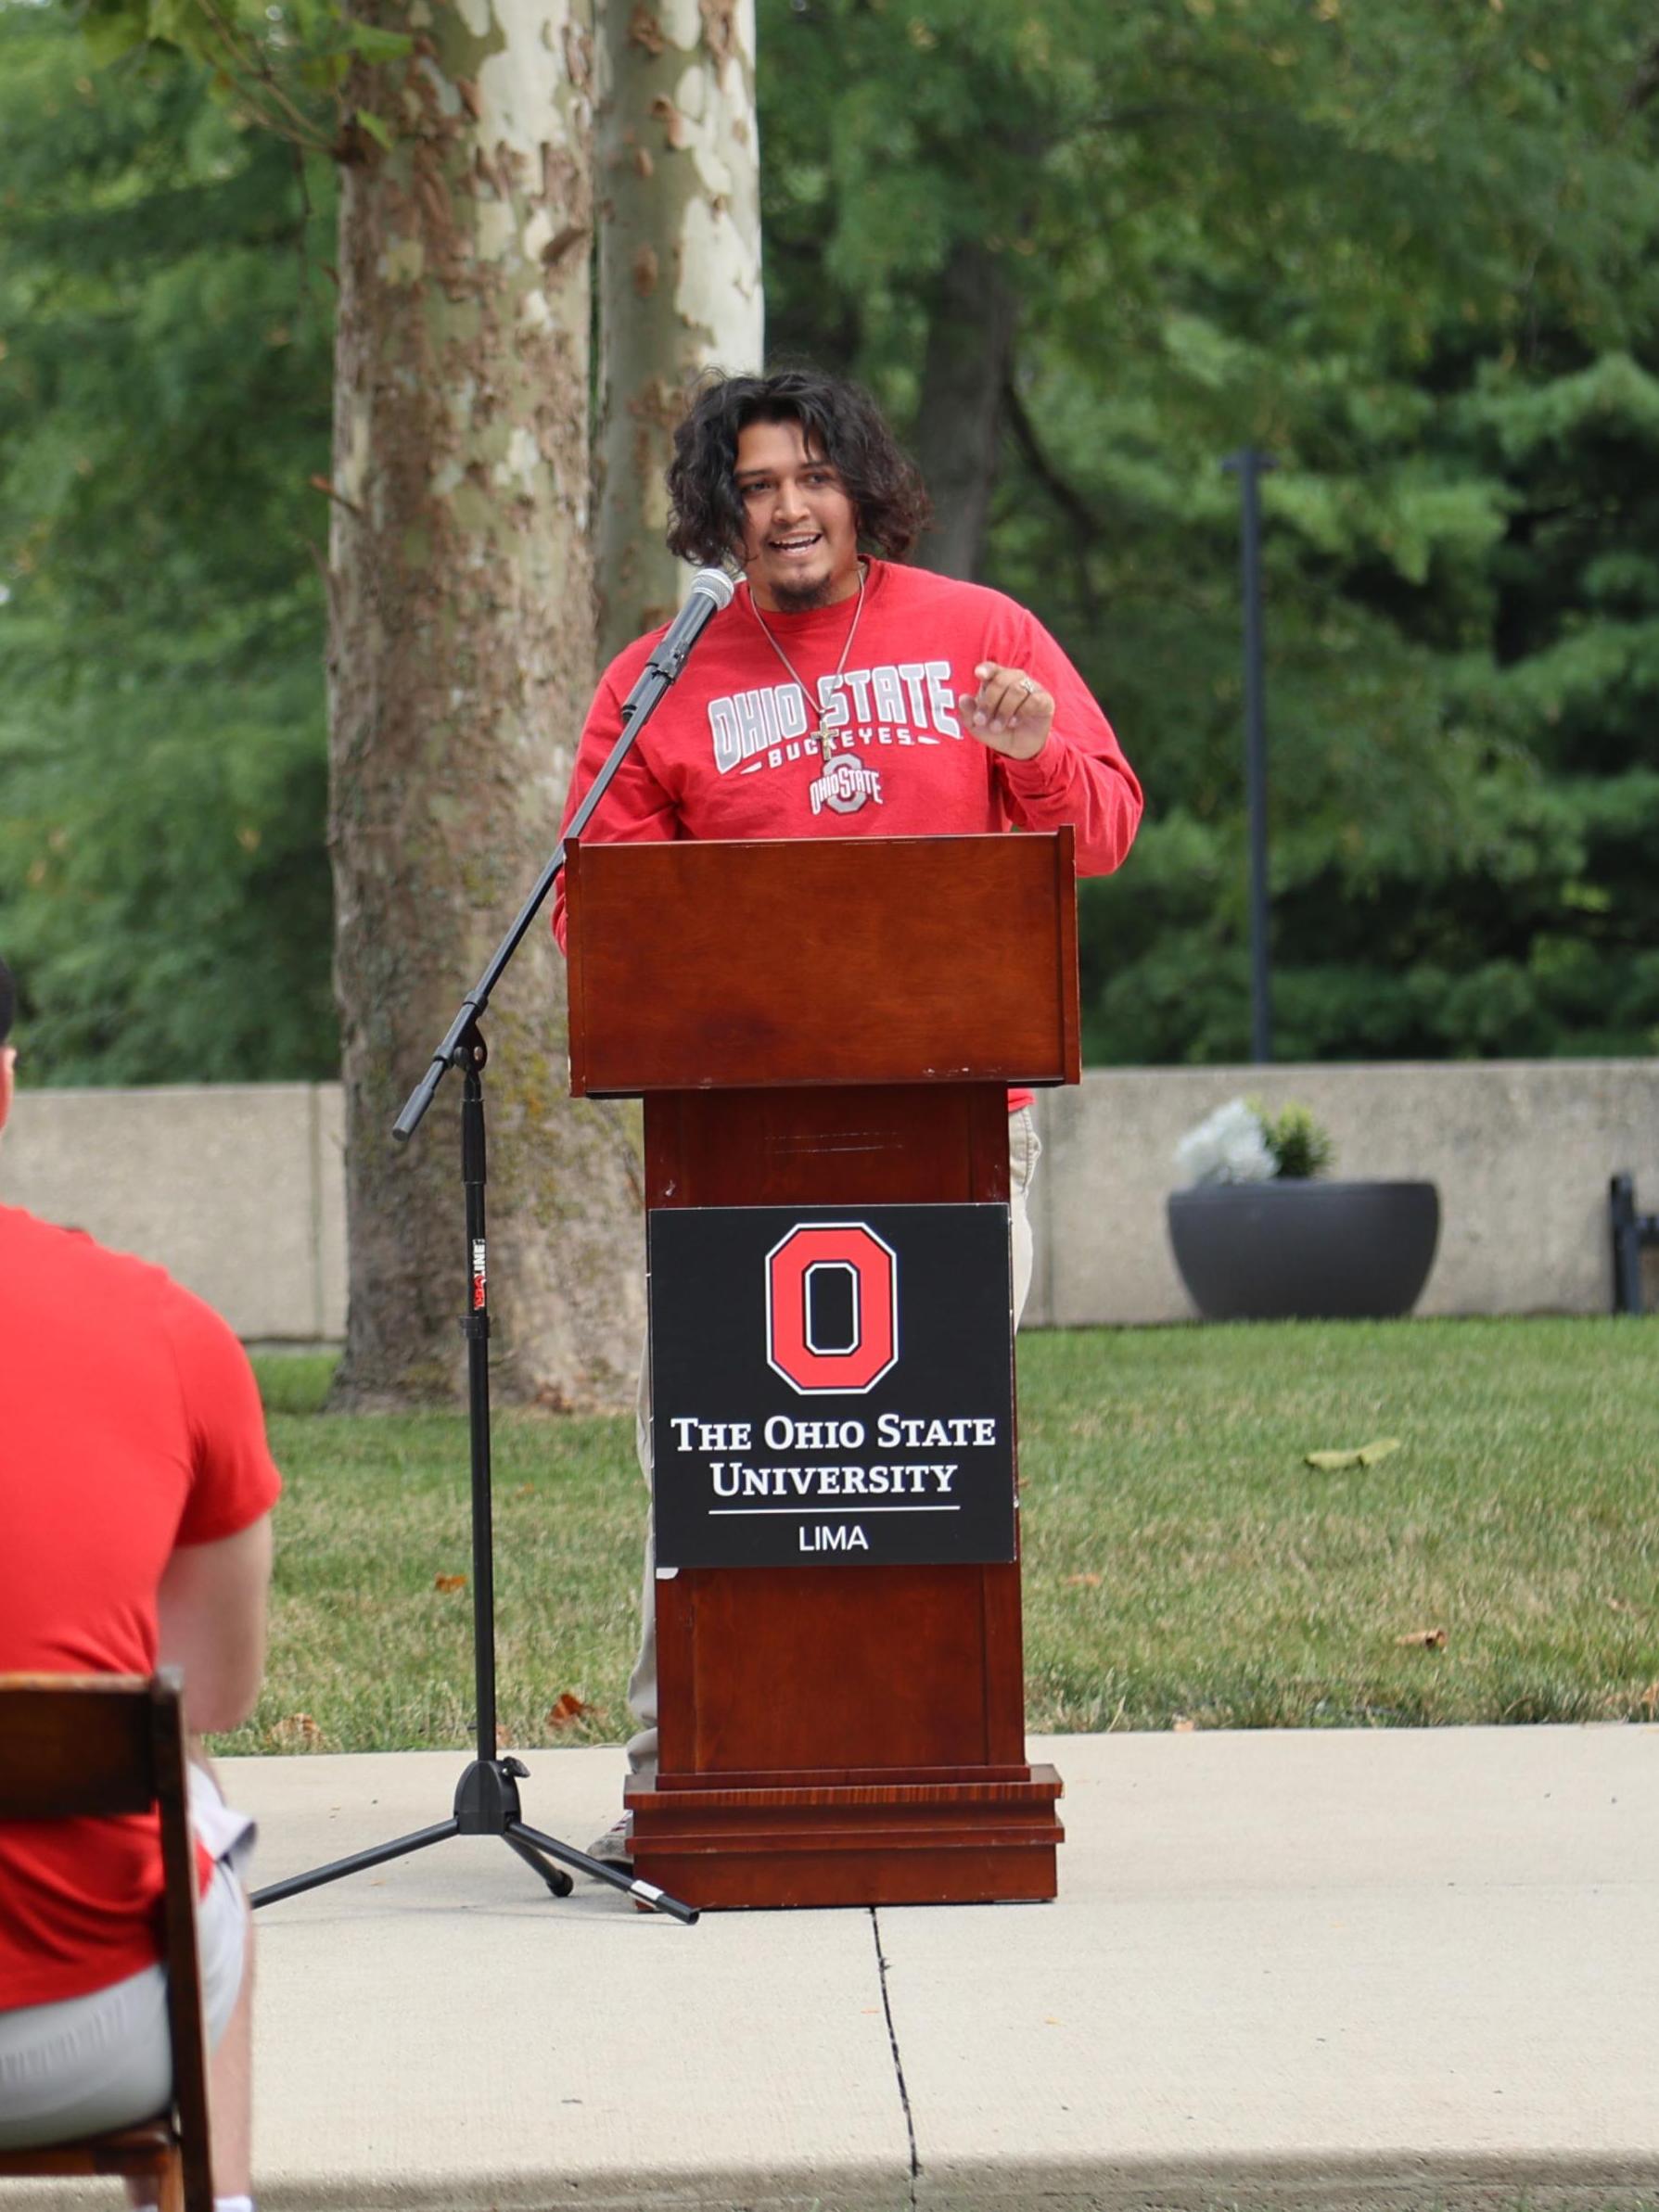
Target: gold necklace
x=820, y=736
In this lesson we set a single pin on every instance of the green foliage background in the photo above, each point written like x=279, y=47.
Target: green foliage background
x=164, y=402
x=1409, y=252
x=1407, y=249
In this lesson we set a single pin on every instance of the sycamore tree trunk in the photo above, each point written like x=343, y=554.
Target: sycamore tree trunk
x=972, y=324
x=680, y=268
x=460, y=664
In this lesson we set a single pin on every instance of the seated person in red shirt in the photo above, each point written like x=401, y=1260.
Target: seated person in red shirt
x=135, y=1495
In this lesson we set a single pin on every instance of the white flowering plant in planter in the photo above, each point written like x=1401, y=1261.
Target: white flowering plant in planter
x=1310, y=1250
x=1242, y=1142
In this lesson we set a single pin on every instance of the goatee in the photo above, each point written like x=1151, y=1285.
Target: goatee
x=800, y=599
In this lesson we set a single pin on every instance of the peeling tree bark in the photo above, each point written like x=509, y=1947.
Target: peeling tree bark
x=678, y=268
x=460, y=664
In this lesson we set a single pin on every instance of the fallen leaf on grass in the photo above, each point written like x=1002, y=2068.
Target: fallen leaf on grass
x=296, y=1729
x=1082, y=1581
x=1181, y=1725
x=447, y=1582
x=1649, y=1699
x=1424, y=1639
x=1360, y=1456
x=566, y=1711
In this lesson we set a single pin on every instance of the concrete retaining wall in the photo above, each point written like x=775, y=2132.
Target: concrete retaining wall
x=239, y=1190
x=1522, y=1151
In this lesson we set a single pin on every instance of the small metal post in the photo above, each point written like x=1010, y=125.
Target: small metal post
x=1250, y=466
x=1631, y=1231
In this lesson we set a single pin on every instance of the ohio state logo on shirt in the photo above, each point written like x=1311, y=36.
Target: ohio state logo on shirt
x=845, y=786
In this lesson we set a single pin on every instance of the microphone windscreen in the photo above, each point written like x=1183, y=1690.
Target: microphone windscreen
x=714, y=583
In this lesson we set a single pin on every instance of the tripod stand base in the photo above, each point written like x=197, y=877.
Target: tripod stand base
x=487, y=1804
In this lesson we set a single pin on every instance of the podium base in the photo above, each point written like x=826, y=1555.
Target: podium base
x=968, y=1841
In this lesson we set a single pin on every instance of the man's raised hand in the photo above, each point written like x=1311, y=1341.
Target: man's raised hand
x=1010, y=712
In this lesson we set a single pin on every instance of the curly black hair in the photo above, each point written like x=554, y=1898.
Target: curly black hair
x=883, y=484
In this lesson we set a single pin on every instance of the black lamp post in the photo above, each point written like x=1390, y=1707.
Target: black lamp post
x=1249, y=468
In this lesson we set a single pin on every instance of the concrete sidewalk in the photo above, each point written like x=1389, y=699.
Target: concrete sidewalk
x=1324, y=1969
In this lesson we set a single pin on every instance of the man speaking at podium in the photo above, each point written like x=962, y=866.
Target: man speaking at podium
x=840, y=695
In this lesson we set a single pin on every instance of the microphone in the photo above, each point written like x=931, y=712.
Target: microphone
x=711, y=590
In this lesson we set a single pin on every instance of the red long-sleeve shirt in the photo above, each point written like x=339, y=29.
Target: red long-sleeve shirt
x=732, y=750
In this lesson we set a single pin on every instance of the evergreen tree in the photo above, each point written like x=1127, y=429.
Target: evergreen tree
x=1373, y=241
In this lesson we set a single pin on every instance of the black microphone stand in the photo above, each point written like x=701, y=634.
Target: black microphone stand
x=486, y=1796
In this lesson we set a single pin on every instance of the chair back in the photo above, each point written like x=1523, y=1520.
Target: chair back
x=74, y=1744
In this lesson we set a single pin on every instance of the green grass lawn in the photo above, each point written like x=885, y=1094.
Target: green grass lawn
x=1183, y=1562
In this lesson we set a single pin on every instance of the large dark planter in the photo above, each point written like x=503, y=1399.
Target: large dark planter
x=1305, y=1250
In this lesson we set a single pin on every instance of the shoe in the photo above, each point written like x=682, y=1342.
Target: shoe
x=615, y=1848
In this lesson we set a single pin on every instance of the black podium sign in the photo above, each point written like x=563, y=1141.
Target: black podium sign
x=832, y=1385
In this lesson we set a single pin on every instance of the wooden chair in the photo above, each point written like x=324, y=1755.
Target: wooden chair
x=101, y=1744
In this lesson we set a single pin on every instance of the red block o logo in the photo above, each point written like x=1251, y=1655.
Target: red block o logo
x=802, y=1326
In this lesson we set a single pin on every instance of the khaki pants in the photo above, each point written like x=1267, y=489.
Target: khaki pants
x=1024, y=1150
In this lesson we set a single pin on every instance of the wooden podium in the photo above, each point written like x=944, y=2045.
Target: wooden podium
x=833, y=1022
